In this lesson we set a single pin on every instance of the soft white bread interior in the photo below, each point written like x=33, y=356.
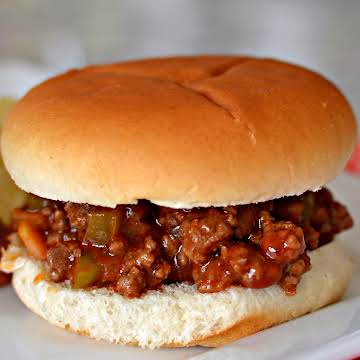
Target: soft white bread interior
x=181, y=132
x=178, y=315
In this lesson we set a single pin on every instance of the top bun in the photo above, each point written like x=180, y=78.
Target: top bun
x=180, y=132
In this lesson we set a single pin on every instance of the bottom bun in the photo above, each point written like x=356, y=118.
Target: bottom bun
x=178, y=315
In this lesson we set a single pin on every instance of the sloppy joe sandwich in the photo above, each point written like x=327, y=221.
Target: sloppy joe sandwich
x=178, y=201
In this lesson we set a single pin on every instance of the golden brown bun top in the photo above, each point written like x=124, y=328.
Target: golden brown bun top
x=182, y=132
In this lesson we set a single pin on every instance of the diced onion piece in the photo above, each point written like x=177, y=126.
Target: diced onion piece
x=86, y=271
x=33, y=240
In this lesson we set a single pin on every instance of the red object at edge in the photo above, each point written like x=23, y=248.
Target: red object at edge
x=353, y=165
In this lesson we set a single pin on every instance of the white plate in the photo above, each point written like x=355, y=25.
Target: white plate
x=331, y=333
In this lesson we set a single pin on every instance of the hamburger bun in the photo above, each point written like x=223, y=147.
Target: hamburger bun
x=180, y=132
x=178, y=315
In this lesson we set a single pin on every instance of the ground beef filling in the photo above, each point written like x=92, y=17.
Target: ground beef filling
x=134, y=248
